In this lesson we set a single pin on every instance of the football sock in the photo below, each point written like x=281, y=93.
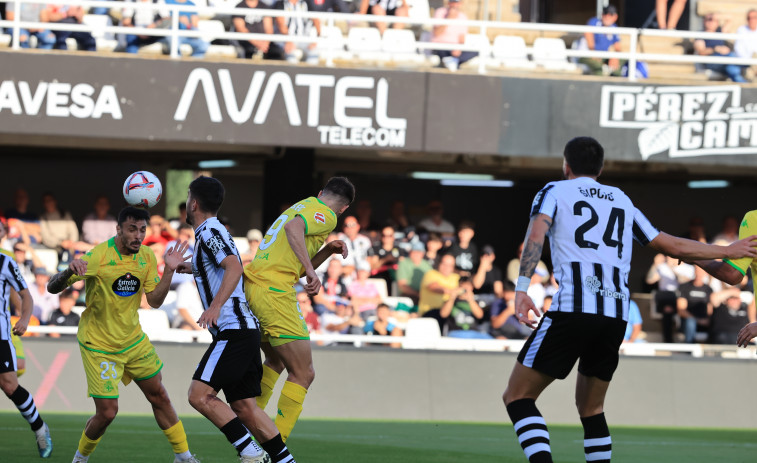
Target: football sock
x=531, y=429
x=20, y=372
x=267, y=383
x=25, y=404
x=290, y=407
x=277, y=450
x=87, y=445
x=240, y=438
x=178, y=439
x=597, y=441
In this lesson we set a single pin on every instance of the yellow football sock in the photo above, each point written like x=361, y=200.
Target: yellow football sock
x=20, y=372
x=290, y=407
x=177, y=437
x=87, y=445
x=267, y=383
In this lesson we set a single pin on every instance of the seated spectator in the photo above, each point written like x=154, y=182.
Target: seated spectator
x=694, y=305
x=21, y=221
x=603, y=42
x=26, y=265
x=44, y=302
x=410, y=273
x=254, y=237
x=746, y=43
x=142, y=17
x=464, y=250
x=513, y=267
x=504, y=323
x=364, y=216
x=70, y=14
x=633, y=327
x=188, y=307
x=451, y=34
x=385, y=8
x=434, y=247
x=255, y=24
x=188, y=22
x=159, y=231
x=63, y=316
x=298, y=27
x=59, y=231
x=435, y=222
x=385, y=256
x=662, y=274
x=363, y=294
x=487, y=281
x=397, y=217
x=31, y=12
x=343, y=321
x=439, y=287
x=466, y=318
x=357, y=244
x=383, y=325
x=99, y=225
x=717, y=47
x=729, y=317
x=185, y=233
x=308, y=314
x=333, y=290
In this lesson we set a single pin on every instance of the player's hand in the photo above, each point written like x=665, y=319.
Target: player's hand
x=78, y=266
x=524, y=305
x=338, y=247
x=184, y=267
x=747, y=333
x=175, y=256
x=743, y=248
x=209, y=317
x=313, y=285
x=20, y=327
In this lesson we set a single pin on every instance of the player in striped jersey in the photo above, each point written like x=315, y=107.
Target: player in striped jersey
x=591, y=228
x=10, y=276
x=232, y=362
x=14, y=304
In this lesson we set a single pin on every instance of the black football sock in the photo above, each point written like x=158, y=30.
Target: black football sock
x=25, y=404
x=277, y=450
x=597, y=441
x=531, y=429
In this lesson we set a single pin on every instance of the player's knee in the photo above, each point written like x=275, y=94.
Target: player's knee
x=8, y=383
x=108, y=414
x=198, y=401
x=508, y=397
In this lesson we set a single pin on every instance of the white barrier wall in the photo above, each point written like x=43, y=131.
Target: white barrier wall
x=382, y=383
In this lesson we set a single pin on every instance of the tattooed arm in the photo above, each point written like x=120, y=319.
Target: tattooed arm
x=59, y=281
x=529, y=259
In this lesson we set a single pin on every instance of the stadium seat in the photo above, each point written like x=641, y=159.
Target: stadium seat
x=364, y=44
x=481, y=43
x=421, y=333
x=5, y=40
x=154, y=323
x=400, y=45
x=550, y=53
x=211, y=29
x=510, y=51
x=380, y=285
x=98, y=23
x=333, y=47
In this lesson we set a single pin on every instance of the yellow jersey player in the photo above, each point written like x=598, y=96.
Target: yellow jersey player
x=289, y=250
x=112, y=344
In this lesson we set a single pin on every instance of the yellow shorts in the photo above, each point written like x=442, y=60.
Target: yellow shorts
x=19, y=346
x=278, y=313
x=104, y=369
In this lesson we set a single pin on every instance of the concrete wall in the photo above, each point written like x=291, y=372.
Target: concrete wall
x=434, y=385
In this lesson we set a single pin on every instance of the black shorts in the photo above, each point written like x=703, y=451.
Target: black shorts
x=7, y=356
x=232, y=364
x=562, y=338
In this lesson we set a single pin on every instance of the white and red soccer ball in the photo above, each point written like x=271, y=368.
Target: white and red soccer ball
x=142, y=189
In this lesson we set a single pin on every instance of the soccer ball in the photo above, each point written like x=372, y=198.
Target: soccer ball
x=142, y=189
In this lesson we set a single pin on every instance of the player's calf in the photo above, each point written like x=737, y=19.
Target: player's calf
x=531, y=429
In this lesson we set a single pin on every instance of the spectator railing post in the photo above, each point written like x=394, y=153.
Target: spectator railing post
x=174, y=29
x=16, y=26
x=632, y=58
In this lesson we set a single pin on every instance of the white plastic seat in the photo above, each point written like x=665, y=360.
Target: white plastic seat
x=5, y=40
x=511, y=51
x=380, y=285
x=421, y=333
x=550, y=53
x=154, y=323
x=333, y=45
x=400, y=44
x=98, y=22
x=364, y=43
x=210, y=29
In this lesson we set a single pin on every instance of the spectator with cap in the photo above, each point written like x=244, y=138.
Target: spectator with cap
x=254, y=237
x=63, y=315
x=435, y=221
x=717, y=47
x=383, y=325
x=451, y=34
x=487, y=281
x=363, y=294
x=602, y=42
x=99, y=225
x=410, y=273
x=464, y=250
x=44, y=302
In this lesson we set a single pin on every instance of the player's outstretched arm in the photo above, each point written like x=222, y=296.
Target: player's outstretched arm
x=723, y=271
x=295, y=231
x=59, y=281
x=529, y=259
x=334, y=247
x=26, y=312
x=689, y=250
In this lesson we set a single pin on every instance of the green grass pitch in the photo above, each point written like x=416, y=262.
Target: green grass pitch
x=136, y=438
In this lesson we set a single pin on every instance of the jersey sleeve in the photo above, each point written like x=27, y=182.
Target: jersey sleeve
x=643, y=230
x=317, y=221
x=92, y=258
x=544, y=202
x=747, y=228
x=15, y=279
x=217, y=244
x=152, y=278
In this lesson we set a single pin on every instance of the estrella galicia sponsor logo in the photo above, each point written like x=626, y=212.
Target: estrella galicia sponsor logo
x=126, y=285
x=593, y=284
x=684, y=121
x=595, y=193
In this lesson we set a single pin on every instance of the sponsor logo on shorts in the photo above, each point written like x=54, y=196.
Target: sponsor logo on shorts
x=126, y=285
x=593, y=284
x=320, y=217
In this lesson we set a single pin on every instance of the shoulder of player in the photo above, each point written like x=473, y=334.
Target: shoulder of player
x=750, y=219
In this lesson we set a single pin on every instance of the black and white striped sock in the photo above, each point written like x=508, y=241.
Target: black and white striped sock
x=277, y=450
x=25, y=404
x=597, y=441
x=531, y=430
x=240, y=438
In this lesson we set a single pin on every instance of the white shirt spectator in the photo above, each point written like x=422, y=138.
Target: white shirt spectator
x=746, y=43
x=95, y=231
x=187, y=298
x=44, y=303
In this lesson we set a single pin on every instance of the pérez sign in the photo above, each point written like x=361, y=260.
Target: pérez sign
x=684, y=121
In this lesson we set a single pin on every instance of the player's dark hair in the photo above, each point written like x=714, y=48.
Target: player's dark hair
x=585, y=156
x=208, y=192
x=136, y=213
x=341, y=187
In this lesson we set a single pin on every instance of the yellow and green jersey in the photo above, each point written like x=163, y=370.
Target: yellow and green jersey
x=748, y=228
x=275, y=266
x=114, y=286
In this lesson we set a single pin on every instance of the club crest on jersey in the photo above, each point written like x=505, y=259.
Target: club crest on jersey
x=215, y=244
x=126, y=285
x=320, y=217
x=593, y=284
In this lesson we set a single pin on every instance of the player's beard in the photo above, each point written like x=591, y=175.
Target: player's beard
x=189, y=219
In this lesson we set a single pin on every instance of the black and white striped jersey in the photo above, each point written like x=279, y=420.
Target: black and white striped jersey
x=297, y=26
x=213, y=244
x=10, y=277
x=593, y=226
